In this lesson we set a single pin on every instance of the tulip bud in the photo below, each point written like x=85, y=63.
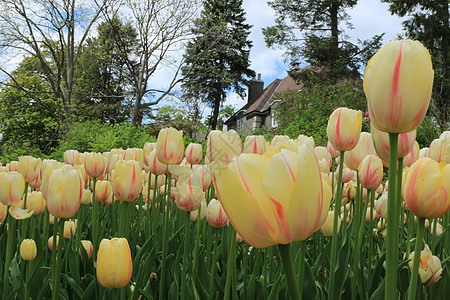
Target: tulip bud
x=381, y=143
x=381, y=206
x=427, y=188
x=412, y=156
x=371, y=172
x=155, y=166
x=364, y=147
x=322, y=154
x=215, y=215
x=87, y=245
x=95, y=164
x=3, y=212
x=344, y=128
x=86, y=197
x=64, y=192
x=13, y=166
x=103, y=190
x=148, y=148
x=333, y=152
x=440, y=150
x=29, y=167
x=70, y=156
x=397, y=82
x=114, y=266
x=327, y=226
x=194, y=153
x=188, y=193
x=127, y=180
x=12, y=186
x=69, y=228
x=255, y=144
x=223, y=146
x=194, y=214
x=50, y=243
x=203, y=173
x=170, y=146
x=28, y=249
x=36, y=203
x=136, y=155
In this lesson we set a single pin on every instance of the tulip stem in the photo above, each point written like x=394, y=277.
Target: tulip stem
x=24, y=223
x=212, y=273
x=58, y=250
x=124, y=219
x=27, y=280
x=94, y=220
x=231, y=263
x=360, y=269
x=286, y=257
x=197, y=238
x=164, y=236
x=187, y=231
x=301, y=266
x=392, y=221
x=337, y=210
x=416, y=261
x=10, y=244
x=115, y=294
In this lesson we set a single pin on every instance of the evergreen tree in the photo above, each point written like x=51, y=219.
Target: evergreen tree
x=429, y=23
x=309, y=30
x=217, y=60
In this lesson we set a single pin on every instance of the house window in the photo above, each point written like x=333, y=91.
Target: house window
x=240, y=125
x=272, y=117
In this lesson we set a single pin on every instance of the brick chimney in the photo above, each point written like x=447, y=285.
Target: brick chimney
x=255, y=89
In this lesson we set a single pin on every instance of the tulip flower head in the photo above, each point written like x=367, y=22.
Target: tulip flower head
x=364, y=147
x=12, y=186
x=87, y=245
x=215, y=215
x=36, y=203
x=127, y=180
x=29, y=167
x=70, y=156
x=188, y=193
x=155, y=166
x=223, y=146
x=69, y=229
x=327, y=227
x=344, y=128
x=103, y=190
x=370, y=172
x=95, y=164
x=203, y=173
x=255, y=144
x=430, y=268
x=397, y=82
x=427, y=188
x=28, y=249
x=114, y=265
x=381, y=143
x=170, y=146
x=194, y=153
x=135, y=154
x=148, y=147
x=273, y=200
x=194, y=214
x=440, y=150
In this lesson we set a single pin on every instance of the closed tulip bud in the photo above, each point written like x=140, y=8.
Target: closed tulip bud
x=28, y=249
x=347, y=174
x=70, y=227
x=148, y=148
x=412, y=156
x=64, y=192
x=155, y=166
x=371, y=172
x=13, y=166
x=188, y=193
x=381, y=206
x=381, y=143
x=440, y=150
x=70, y=156
x=424, y=152
x=364, y=147
x=86, y=197
x=50, y=243
x=427, y=188
x=95, y=164
x=127, y=180
x=170, y=146
x=29, y=167
x=223, y=146
x=279, y=139
x=36, y=183
x=374, y=214
x=135, y=154
x=87, y=245
x=274, y=200
x=349, y=192
x=327, y=227
x=12, y=186
x=430, y=268
x=114, y=265
x=3, y=212
x=194, y=153
x=439, y=228
x=333, y=152
x=215, y=215
x=103, y=190
x=255, y=144
x=397, y=82
x=344, y=128
x=194, y=214
x=203, y=173
x=323, y=154
x=36, y=203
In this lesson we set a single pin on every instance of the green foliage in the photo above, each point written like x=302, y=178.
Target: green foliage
x=427, y=132
x=307, y=112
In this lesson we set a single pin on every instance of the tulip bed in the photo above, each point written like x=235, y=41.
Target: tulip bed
x=247, y=220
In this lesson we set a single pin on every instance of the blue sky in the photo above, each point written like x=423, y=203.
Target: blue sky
x=369, y=17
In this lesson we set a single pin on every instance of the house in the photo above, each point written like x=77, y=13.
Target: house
x=261, y=104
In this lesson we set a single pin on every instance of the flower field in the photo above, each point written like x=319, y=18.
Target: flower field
x=363, y=217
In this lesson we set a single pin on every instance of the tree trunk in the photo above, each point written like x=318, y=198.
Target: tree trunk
x=215, y=115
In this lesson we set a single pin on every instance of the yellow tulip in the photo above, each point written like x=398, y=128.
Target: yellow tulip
x=87, y=245
x=13, y=166
x=194, y=153
x=370, y=172
x=273, y=200
x=170, y=146
x=64, y=192
x=3, y=212
x=69, y=228
x=397, y=82
x=12, y=186
x=440, y=150
x=134, y=154
x=29, y=167
x=427, y=188
x=255, y=144
x=188, y=193
x=86, y=197
x=333, y=152
x=154, y=165
x=327, y=227
x=324, y=158
x=430, y=268
x=36, y=203
x=48, y=166
x=127, y=180
x=215, y=215
x=103, y=190
x=412, y=156
x=114, y=265
x=223, y=146
x=344, y=128
x=50, y=242
x=148, y=148
x=279, y=140
x=364, y=147
x=194, y=214
x=70, y=156
x=203, y=173
x=95, y=164
x=381, y=143
x=28, y=249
